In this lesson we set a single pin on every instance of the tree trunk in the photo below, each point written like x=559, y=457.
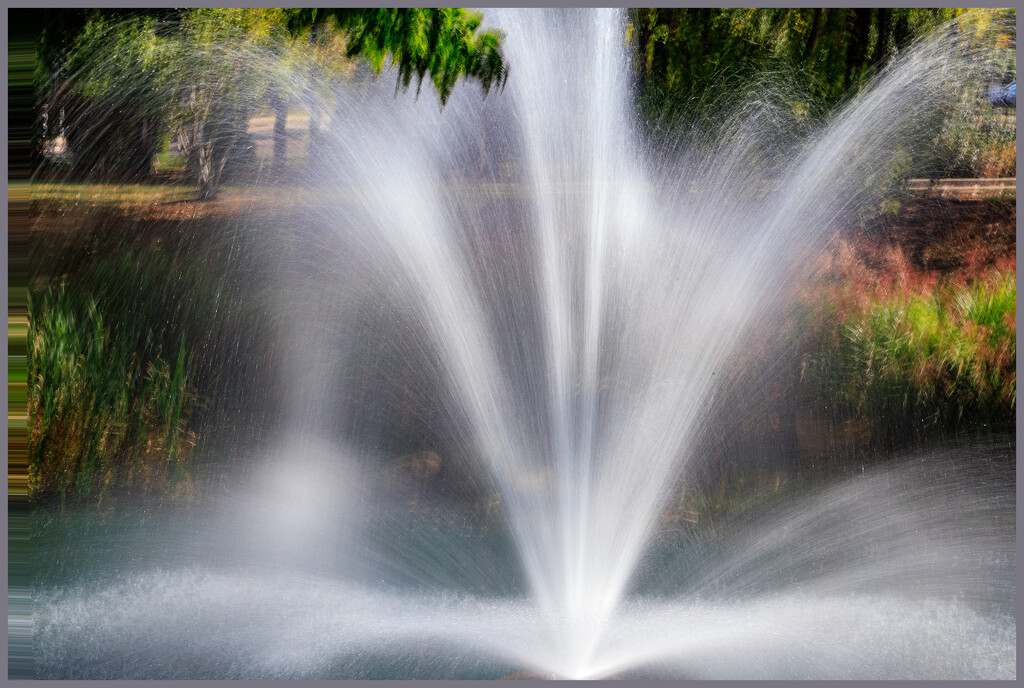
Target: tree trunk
x=207, y=182
x=209, y=176
x=213, y=151
x=901, y=28
x=280, y=133
x=812, y=40
x=144, y=148
x=856, y=50
x=315, y=110
x=314, y=134
x=882, y=44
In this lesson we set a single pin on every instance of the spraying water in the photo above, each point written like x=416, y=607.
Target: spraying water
x=577, y=323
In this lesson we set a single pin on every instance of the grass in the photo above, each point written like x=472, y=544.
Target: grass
x=116, y=194
x=71, y=198
x=169, y=162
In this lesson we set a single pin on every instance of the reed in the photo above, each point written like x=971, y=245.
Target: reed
x=939, y=357
x=108, y=405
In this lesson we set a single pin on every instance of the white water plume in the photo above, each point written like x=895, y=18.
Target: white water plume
x=634, y=284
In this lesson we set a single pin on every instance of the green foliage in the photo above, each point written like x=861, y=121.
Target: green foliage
x=684, y=53
x=107, y=405
x=976, y=139
x=695, y=63
x=128, y=74
x=114, y=389
x=442, y=43
x=923, y=361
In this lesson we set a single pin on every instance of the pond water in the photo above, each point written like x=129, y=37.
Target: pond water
x=807, y=587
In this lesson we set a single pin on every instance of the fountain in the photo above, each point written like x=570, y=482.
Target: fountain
x=555, y=330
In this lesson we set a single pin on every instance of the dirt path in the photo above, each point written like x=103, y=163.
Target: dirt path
x=964, y=189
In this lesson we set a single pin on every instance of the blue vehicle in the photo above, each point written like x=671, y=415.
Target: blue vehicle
x=1005, y=96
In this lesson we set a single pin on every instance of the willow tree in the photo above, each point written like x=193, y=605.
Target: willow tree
x=443, y=44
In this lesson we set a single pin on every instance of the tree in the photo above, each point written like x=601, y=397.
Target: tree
x=309, y=67
x=685, y=54
x=130, y=77
x=107, y=93
x=220, y=84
